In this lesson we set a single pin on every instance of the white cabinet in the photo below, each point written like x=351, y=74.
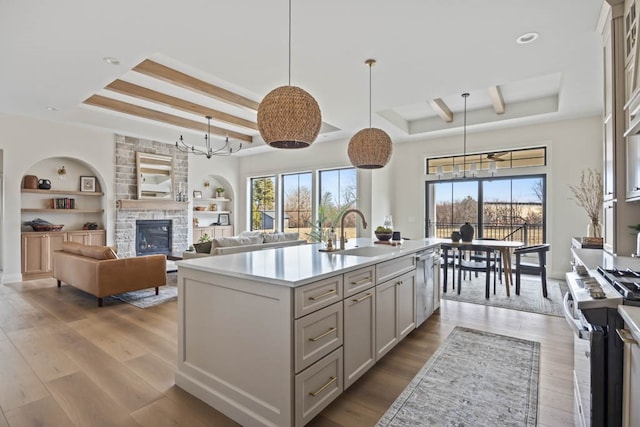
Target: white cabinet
x=630, y=337
x=395, y=311
x=359, y=335
x=633, y=167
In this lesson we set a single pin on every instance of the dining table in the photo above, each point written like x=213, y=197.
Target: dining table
x=503, y=246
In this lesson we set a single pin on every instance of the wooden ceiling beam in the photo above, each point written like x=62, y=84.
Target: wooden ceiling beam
x=178, y=78
x=147, y=113
x=439, y=106
x=136, y=91
x=496, y=99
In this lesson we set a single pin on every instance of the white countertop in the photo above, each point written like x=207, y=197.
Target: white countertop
x=298, y=265
x=592, y=258
x=631, y=316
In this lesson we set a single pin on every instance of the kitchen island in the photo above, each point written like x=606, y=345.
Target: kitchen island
x=271, y=337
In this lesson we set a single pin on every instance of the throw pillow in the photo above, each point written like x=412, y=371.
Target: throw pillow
x=291, y=235
x=225, y=242
x=250, y=234
x=273, y=237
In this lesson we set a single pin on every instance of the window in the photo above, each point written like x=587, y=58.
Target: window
x=485, y=161
x=286, y=202
x=337, y=193
x=506, y=208
x=263, y=206
x=296, y=202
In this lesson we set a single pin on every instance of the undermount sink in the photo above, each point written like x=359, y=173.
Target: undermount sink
x=367, y=251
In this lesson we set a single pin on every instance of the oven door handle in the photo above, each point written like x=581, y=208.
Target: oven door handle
x=575, y=324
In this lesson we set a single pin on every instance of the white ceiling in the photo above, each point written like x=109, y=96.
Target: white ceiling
x=52, y=56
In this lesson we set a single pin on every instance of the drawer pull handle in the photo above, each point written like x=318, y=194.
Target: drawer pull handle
x=319, y=337
x=361, y=282
x=326, y=294
x=363, y=298
x=321, y=389
x=626, y=336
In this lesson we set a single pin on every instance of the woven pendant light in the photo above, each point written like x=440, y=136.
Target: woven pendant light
x=370, y=148
x=289, y=117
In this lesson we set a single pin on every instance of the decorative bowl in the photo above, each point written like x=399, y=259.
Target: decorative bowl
x=47, y=227
x=200, y=208
x=384, y=236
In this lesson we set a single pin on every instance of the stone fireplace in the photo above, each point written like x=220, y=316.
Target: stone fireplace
x=127, y=218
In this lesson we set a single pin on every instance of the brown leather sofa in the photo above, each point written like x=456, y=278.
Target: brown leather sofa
x=98, y=271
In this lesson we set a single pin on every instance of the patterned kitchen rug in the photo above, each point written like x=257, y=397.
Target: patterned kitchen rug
x=530, y=298
x=475, y=378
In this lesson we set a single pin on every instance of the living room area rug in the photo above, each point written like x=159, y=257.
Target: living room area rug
x=475, y=378
x=147, y=297
x=530, y=298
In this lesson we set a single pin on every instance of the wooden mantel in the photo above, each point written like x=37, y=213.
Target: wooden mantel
x=151, y=204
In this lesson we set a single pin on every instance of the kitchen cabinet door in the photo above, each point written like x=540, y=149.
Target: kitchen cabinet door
x=359, y=335
x=395, y=311
x=406, y=310
x=633, y=167
x=37, y=252
x=386, y=318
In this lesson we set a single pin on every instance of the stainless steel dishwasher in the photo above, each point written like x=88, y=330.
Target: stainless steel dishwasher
x=425, y=300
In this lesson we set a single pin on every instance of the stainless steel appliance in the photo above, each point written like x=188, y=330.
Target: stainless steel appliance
x=426, y=285
x=591, y=311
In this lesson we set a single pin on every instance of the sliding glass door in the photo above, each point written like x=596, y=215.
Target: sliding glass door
x=511, y=208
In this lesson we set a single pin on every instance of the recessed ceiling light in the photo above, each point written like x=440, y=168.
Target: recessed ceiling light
x=111, y=60
x=527, y=38
x=52, y=109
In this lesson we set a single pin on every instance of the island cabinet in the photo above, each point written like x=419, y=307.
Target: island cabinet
x=359, y=323
x=269, y=353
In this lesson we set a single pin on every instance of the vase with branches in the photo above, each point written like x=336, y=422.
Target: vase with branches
x=589, y=195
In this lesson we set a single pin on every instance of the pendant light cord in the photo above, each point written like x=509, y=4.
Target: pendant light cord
x=464, y=137
x=370, y=65
x=289, y=42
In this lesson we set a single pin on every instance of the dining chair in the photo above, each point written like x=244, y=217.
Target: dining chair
x=498, y=259
x=540, y=268
x=448, y=260
x=477, y=258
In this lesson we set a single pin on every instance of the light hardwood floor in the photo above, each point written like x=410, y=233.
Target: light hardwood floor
x=66, y=362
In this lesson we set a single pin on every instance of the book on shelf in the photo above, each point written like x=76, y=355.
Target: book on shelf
x=63, y=203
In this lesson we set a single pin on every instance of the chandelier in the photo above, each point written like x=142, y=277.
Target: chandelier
x=226, y=150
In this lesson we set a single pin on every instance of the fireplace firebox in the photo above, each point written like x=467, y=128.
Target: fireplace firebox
x=153, y=236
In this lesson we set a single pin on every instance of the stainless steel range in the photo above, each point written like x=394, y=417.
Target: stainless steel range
x=591, y=311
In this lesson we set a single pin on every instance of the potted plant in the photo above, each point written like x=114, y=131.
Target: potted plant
x=383, y=233
x=204, y=244
x=219, y=191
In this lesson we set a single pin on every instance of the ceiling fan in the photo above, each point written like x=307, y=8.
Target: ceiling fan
x=497, y=156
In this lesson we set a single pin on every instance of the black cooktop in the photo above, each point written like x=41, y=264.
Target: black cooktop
x=626, y=282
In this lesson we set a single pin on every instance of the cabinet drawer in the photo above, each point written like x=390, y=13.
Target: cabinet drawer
x=395, y=267
x=317, y=295
x=317, y=334
x=317, y=386
x=358, y=280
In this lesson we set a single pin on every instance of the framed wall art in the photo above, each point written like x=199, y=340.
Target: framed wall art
x=88, y=183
